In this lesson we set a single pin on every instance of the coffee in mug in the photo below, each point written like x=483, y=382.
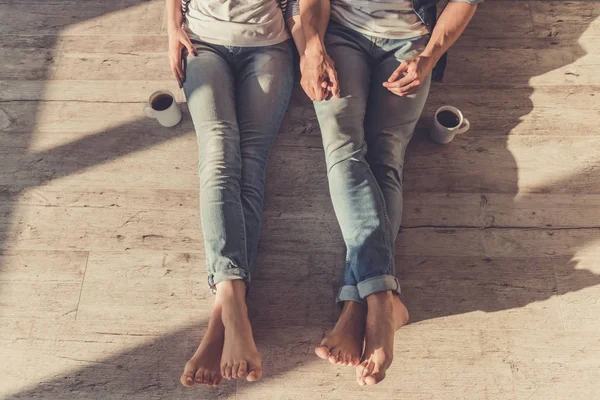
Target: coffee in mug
x=448, y=122
x=162, y=106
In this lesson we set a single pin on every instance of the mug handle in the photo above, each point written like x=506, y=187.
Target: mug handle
x=148, y=111
x=465, y=126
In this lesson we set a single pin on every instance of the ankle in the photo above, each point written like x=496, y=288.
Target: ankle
x=231, y=290
x=380, y=297
x=354, y=308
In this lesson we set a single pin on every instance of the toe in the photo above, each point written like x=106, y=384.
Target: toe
x=199, y=376
x=359, y=375
x=234, y=370
x=187, y=378
x=255, y=374
x=347, y=359
x=363, y=370
x=242, y=369
x=322, y=352
x=226, y=371
x=375, y=378
x=217, y=380
x=206, y=377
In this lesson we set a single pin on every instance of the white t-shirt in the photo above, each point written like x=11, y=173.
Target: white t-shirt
x=390, y=19
x=243, y=23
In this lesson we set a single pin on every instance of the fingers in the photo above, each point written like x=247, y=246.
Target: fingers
x=408, y=78
x=176, y=69
x=411, y=88
x=185, y=40
x=398, y=72
x=316, y=90
x=334, y=83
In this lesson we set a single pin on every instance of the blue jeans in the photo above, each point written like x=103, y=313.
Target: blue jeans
x=237, y=98
x=365, y=134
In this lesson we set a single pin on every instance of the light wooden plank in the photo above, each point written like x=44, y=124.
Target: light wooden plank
x=124, y=286
x=44, y=284
x=578, y=283
x=561, y=19
x=479, y=210
x=85, y=90
x=119, y=229
x=472, y=163
x=548, y=111
x=106, y=229
x=498, y=242
x=440, y=364
x=500, y=210
x=532, y=61
x=73, y=17
x=501, y=19
x=481, y=293
x=546, y=364
x=82, y=361
x=29, y=57
x=131, y=44
x=114, y=66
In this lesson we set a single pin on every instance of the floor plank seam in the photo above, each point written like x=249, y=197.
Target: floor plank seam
x=560, y=310
x=87, y=260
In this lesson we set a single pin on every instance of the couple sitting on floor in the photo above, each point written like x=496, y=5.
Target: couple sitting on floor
x=368, y=69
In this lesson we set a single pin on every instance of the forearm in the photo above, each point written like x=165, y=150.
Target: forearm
x=174, y=16
x=295, y=26
x=314, y=18
x=449, y=27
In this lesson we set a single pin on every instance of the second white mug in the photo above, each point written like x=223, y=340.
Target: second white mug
x=447, y=123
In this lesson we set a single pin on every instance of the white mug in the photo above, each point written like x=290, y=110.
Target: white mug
x=162, y=106
x=455, y=124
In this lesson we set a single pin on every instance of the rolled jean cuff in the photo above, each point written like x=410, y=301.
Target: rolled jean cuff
x=227, y=275
x=349, y=293
x=378, y=284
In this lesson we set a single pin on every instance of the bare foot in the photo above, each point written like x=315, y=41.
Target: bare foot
x=204, y=366
x=344, y=343
x=386, y=314
x=240, y=357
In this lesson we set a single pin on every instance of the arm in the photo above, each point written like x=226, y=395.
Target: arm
x=449, y=27
x=292, y=18
x=178, y=39
x=318, y=71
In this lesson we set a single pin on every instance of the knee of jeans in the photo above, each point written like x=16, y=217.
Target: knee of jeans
x=387, y=172
x=219, y=163
x=339, y=156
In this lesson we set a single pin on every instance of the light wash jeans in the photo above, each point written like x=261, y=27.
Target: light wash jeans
x=237, y=97
x=365, y=134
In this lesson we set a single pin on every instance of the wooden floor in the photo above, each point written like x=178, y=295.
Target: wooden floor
x=102, y=280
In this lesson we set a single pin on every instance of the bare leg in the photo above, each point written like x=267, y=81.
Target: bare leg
x=343, y=345
x=240, y=358
x=204, y=366
x=386, y=314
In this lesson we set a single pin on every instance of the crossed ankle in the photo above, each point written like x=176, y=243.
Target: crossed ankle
x=384, y=295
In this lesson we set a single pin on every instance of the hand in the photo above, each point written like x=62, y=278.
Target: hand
x=415, y=72
x=178, y=39
x=319, y=78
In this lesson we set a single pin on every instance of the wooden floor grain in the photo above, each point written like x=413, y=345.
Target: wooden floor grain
x=102, y=280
